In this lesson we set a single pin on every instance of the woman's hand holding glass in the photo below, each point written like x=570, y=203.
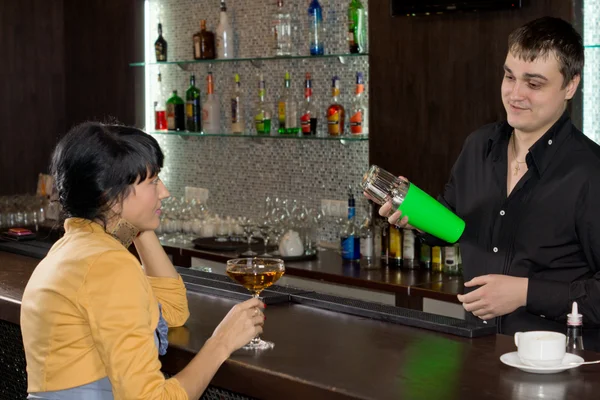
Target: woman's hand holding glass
x=242, y=324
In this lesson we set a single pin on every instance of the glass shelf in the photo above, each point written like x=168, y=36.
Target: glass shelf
x=345, y=138
x=592, y=46
x=252, y=59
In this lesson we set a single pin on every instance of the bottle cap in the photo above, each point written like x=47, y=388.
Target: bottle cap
x=360, y=80
x=574, y=318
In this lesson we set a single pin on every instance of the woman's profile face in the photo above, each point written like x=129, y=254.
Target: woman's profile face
x=142, y=206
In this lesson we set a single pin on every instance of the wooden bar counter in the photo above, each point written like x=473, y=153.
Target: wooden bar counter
x=327, y=355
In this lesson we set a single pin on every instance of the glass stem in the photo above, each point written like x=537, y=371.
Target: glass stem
x=256, y=339
x=250, y=242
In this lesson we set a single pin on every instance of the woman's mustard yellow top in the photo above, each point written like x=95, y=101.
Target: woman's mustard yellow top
x=89, y=311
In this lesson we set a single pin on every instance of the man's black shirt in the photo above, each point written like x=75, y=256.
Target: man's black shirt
x=547, y=229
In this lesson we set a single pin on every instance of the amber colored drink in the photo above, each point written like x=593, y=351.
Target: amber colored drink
x=255, y=282
x=256, y=274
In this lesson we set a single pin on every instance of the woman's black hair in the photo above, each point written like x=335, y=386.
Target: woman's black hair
x=95, y=164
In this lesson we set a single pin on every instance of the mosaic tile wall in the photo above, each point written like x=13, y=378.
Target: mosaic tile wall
x=591, y=73
x=240, y=173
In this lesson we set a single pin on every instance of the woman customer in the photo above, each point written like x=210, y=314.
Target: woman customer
x=93, y=319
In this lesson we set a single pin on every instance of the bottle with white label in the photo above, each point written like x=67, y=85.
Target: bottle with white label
x=367, y=244
x=224, y=35
x=450, y=261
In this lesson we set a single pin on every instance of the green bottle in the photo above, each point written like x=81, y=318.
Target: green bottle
x=193, y=121
x=262, y=115
x=175, y=113
x=357, y=27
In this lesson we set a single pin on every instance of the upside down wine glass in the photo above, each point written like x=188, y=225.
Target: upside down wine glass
x=256, y=274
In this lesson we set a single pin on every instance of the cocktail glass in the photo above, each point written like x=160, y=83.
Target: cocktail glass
x=256, y=274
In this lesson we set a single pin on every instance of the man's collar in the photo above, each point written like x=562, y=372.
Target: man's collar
x=542, y=151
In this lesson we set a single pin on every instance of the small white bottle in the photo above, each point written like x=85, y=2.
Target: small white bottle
x=574, y=331
x=224, y=35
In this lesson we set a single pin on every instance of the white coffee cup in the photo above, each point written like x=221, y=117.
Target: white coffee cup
x=541, y=348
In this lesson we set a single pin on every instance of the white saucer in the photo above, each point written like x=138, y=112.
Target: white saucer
x=513, y=360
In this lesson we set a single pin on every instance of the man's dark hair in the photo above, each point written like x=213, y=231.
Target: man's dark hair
x=94, y=166
x=546, y=36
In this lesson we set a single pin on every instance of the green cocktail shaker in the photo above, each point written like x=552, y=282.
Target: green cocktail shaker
x=423, y=211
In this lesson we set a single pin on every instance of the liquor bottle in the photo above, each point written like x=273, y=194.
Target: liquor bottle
x=160, y=46
x=237, y=118
x=425, y=256
x=262, y=115
x=357, y=27
x=574, y=331
x=287, y=110
x=160, y=114
x=211, y=112
x=224, y=34
x=335, y=112
x=175, y=113
x=282, y=31
x=315, y=25
x=395, y=247
x=377, y=243
x=437, y=264
x=204, y=43
x=450, y=261
x=308, y=120
x=385, y=242
x=459, y=259
x=409, y=253
x=367, y=240
x=192, y=107
x=359, y=111
x=350, y=239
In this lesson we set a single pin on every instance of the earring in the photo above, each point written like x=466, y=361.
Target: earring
x=124, y=231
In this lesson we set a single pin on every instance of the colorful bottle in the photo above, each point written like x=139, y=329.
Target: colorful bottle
x=308, y=120
x=287, y=110
x=160, y=114
x=237, y=118
x=193, y=121
x=204, y=43
x=350, y=237
x=211, y=111
x=175, y=113
x=437, y=261
x=425, y=256
x=282, y=31
x=315, y=26
x=262, y=115
x=335, y=112
x=395, y=247
x=357, y=27
x=359, y=111
x=224, y=35
x=160, y=46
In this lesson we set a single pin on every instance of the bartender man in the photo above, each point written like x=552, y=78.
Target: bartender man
x=528, y=189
